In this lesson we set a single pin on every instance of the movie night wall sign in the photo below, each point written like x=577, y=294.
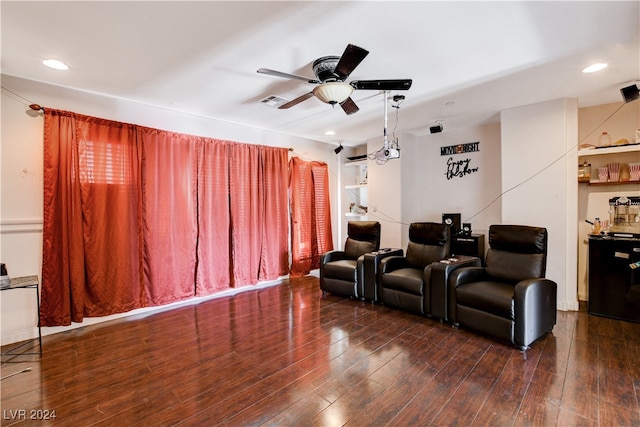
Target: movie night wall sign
x=457, y=167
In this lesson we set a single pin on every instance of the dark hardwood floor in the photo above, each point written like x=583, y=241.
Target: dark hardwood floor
x=286, y=356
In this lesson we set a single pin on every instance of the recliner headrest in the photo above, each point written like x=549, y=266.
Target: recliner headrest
x=429, y=233
x=363, y=237
x=518, y=238
x=364, y=230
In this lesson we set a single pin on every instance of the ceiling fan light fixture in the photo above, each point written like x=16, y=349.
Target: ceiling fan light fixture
x=333, y=92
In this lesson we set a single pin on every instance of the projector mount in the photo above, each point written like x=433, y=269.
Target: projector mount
x=390, y=149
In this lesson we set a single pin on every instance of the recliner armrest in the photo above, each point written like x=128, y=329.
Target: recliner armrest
x=466, y=275
x=459, y=277
x=535, y=307
x=534, y=285
x=436, y=278
x=534, y=290
x=332, y=256
x=392, y=263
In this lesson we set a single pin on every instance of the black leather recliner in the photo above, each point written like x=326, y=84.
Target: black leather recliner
x=339, y=269
x=404, y=280
x=509, y=298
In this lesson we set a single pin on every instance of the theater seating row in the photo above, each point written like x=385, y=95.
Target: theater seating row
x=508, y=297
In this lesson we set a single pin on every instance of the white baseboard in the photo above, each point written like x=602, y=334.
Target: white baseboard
x=568, y=305
x=17, y=336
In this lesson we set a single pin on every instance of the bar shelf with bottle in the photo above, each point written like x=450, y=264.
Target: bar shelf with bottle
x=590, y=160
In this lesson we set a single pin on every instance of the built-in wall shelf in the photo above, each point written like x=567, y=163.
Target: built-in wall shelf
x=601, y=157
x=362, y=162
x=356, y=196
x=636, y=183
x=609, y=150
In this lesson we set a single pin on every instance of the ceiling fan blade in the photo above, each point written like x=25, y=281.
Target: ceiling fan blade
x=286, y=75
x=400, y=84
x=350, y=59
x=349, y=106
x=296, y=101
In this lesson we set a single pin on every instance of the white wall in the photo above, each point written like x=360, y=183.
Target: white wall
x=415, y=187
x=385, y=194
x=21, y=162
x=431, y=193
x=20, y=215
x=539, y=146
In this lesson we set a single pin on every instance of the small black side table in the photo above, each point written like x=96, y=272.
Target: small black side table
x=470, y=245
x=27, y=282
x=440, y=272
x=368, y=271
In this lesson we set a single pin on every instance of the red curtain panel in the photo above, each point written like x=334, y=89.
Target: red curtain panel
x=214, y=219
x=169, y=215
x=246, y=213
x=321, y=208
x=311, y=233
x=91, y=223
x=258, y=183
x=136, y=217
x=274, y=245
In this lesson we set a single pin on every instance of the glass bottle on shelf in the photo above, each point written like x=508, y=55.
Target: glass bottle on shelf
x=584, y=172
x=604, y=140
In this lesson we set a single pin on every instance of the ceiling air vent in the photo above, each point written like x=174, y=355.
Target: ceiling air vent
x=274, y=101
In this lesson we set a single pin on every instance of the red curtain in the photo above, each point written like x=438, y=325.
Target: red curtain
x=214, y=219
x=258, y=176
x=92, y=210
x=246, y=212
x=311, y=233
x=321, y=208
x=135, y=216
x=274, y=244
x=169, y=191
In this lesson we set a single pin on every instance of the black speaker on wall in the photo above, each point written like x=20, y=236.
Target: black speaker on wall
x=452, y=219
x=630, y=93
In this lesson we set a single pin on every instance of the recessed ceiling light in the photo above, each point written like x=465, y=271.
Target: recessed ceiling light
x=329, y=133
x=599, y=66
x=55, y=64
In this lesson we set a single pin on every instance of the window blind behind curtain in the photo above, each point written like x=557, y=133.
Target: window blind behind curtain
x=136, y=217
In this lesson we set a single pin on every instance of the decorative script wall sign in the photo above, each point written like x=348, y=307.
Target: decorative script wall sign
x=459, y=168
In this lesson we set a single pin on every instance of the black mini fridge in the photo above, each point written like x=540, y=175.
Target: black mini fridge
x=614, y=277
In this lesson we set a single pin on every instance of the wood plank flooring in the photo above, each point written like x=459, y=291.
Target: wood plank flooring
x=287, y=356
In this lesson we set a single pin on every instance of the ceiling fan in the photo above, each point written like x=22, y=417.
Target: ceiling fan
x=331, y=73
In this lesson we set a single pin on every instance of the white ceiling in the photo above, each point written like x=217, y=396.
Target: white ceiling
x=468, y=60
